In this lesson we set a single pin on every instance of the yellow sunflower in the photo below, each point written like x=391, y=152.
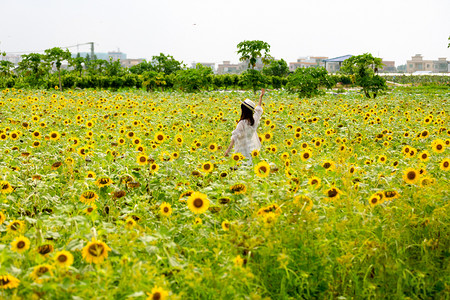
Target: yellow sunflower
x=142, y=159
x=63, y=259
x=16, y=226
x=88, y=197
x=198, y=203
x=5, y=187
x=445, y=164
x=103, y=181
x=305, y=201
x=166, y=209
x=333, y=193
x=262, y=169
x=8, y=282
x=41, y=270
x=158, y=293
x=207, y=167
x=95, y=251
x=20, y=244
x=411, y=175
x=2, y=217
x=238, y=188
x=314, y=182
x=226, y=225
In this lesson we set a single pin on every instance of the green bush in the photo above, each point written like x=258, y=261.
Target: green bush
x=307, y=81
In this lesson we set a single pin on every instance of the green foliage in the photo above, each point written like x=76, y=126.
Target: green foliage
x=252, y=50
x=165, y=64
x=276, y=68
x=253, y=79
x=364, y=67
x=193, y=80
x=77, y=64
x=307, y=81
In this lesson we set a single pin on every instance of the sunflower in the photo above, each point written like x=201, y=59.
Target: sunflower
x=329, y=165
x=159, y=137
x=226, y=225
x=142, y=159
x=269, y=219
x=445, y=164
x=238, y=261
x=212, y=147
x=375, y=199
x=41, y=270
x=426, y=181
x=20, y=244
x=2, y=217
x=36, y=134
x=88, y=197
x=95, y=251
x=198, y=221
x=224, y=200
x=238, y=188
x=333, y=193
x=382, y=159
x=305, y=201
x=82, y=151
x=255, y=153
x=90, y=209
x=45, y=249
x=5, y=187
x=157, y=293
x=14, y=135
x=424, y=156
x=130, y=223
x=154, y=167
x=411, y=175
x=306, y=155
x=90, y=174
x=223, y=174
x=54, y=136
x=262, y=169
x=207, y=167
x=63, y=259
x=198, y=203
x=103, y=181
x=165, y=209
x=391, y=195
x=314, y=182
x=16, y=226
x=438, y=146
x=8, y=282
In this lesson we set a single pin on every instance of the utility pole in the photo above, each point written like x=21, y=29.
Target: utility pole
x=92, y=49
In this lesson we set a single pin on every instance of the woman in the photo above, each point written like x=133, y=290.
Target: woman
x=244, y=137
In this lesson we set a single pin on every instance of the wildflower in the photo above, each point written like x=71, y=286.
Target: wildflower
x=41, y=270
x=239, y=188
x=157, y=293
x=262, y=169
x=198, y=203
x=226, y=225
x=411, y=176
x=8, y=282
x=166, y=209
x=95, y=251
x=5, y=187
x=20, y=244
x=88, y=197
x=63, y=259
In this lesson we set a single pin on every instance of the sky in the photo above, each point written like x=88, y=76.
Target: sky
x=209, y=30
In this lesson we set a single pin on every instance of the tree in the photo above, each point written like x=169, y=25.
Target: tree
x=307, y=81
x=253, y=79
x=77, y=64
x=192, y=80
x=276, y=68
x=165, y=64
x=252, y=50
x=56, y=56
x=33, y=68
x=5, y=67
x=365, y=68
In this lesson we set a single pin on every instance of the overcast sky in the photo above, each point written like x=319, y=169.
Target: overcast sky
x=208, y=30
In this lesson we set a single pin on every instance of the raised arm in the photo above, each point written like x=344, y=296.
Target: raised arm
x=263, y=91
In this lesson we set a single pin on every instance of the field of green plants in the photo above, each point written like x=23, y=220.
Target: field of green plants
x=117, y=195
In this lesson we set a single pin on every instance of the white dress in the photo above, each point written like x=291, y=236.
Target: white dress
x=245, y=137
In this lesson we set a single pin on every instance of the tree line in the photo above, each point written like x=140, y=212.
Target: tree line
x=164, y=72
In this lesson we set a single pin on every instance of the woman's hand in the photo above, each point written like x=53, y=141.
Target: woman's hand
x=263, y=91
x=226, y=154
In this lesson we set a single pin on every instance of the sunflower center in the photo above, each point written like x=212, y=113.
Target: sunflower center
x=4, y=282
x=142, y=159
x=332, y=193
x=160, y=137
x=306, y=155
x=411, y=175
x=156, y=296
x=446, y=164
x=21, y=244
x=42, y=270
x=198, y=202
x=96, y=250
x=263, y=169
x=207, y=167
x=374, y=200
x=439, y=146
x=314, y=182
x=326, y=165
x=166, y=209
x=62, y=258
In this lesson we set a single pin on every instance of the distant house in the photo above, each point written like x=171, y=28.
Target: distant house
x=389, y=66
x=417, y=63
x=307, y=62
x=130, y=62
x=334, y=64
x=228, y=68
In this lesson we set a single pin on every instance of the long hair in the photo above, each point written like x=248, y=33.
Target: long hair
x=247, y=114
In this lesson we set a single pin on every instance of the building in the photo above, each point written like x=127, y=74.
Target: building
x=209, y=65
x=417, y=63
x=307, y=62
x=389, y=66
x=228, y=68
x=130, y=62
x=334, y=64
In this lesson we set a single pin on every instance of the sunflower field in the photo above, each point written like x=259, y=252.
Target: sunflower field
x=128, y=195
